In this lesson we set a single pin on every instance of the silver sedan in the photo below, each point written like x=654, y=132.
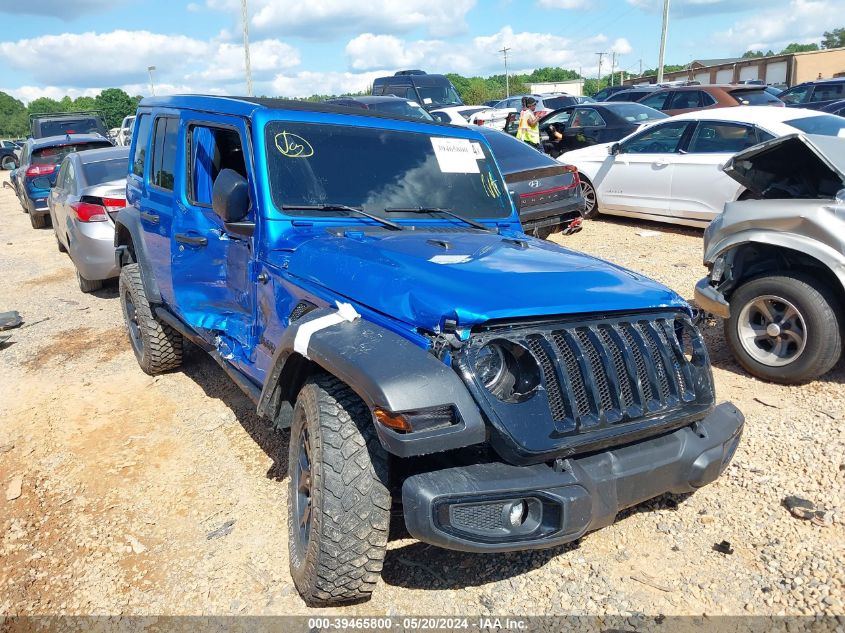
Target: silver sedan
x=90, y=189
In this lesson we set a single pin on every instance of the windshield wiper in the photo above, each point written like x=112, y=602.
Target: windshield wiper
x=342, y=207
x=471, y=222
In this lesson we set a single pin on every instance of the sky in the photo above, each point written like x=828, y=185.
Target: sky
x=299, y=48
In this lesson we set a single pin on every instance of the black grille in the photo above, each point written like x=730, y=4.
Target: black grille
x=301, y=309
x=482, y=516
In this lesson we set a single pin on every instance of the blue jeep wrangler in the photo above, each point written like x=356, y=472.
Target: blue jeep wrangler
x=365, y=280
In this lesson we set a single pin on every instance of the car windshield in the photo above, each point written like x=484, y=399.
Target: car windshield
x=637, y=113
x=105, y=170
x=441, y=94
x=824, y=124
x=374, y=169
x=51, y=155
x=401, y=107
x=555, y=103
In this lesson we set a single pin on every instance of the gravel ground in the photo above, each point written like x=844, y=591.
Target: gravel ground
x=126, y=481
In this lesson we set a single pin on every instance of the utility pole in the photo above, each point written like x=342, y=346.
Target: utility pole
x=245, y=20
x=612, y=66
x=663, y=41
x=601, y=55
x=504, y=51
x=150, y=70
x=641, y=67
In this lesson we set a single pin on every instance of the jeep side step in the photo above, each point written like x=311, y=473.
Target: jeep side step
x=243, y=381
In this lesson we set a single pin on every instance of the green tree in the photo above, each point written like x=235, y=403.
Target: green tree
x=753, y=54
x=45, y=104
x=84, y=103
x=794, y=47
x=115, y=104
x=14, y=120
x=834, y=38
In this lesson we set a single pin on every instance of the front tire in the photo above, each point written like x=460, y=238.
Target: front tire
x=157, y=346
x=784, y=328
x=338, y=501
x=591, y=209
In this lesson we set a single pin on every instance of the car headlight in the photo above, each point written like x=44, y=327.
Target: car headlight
x=507, y=370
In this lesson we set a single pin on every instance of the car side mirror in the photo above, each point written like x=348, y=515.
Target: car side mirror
x=614, y=149
x=230, y=196
x=840, y=197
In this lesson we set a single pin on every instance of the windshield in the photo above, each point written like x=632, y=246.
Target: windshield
x=636, y=113
x=373, y=169
x=53, y=155
x=401, y=107
x=441, y=94
x=824, y=124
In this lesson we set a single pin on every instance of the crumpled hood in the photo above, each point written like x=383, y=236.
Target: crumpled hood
x=475, y=277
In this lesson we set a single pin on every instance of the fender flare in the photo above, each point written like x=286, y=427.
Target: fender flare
x=385, y=370
x=127, y=227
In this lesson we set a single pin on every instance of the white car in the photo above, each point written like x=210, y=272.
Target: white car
x=124, y=135
x=456, y=115
x=671, y=171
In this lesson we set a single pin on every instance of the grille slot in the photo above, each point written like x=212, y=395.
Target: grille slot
x=582, y=402
x=557, y=405
x=475, y=517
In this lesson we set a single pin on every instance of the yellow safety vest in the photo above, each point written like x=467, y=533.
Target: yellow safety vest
x=526, y=132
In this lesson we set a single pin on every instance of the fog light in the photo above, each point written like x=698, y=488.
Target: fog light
x=517, y=513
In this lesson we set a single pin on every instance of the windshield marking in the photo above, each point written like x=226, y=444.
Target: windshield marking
x=293, y=146
x=455, y=155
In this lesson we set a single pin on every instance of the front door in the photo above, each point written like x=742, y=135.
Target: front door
x=211, y=268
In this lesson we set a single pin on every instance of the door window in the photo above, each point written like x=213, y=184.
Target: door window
x=656, y=100
x=686, y=99
x=661, y=139
x=560, y=118
x=715, y=137
x=140, y=155
x=70, y=177
x=827, y=92
x=164, y=152
x=798, y=94
x=586, y=117
x=60, y=179
x=212, y=150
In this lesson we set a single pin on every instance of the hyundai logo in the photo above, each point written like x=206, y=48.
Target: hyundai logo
x=533, y=183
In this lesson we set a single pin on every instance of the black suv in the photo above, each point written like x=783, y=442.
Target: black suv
x=814, y=95
x=46, y=124
x=430, y=91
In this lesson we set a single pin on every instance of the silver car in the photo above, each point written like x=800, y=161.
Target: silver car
x=90, y=189
x=777, y=263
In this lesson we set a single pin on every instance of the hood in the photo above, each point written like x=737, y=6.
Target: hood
x=421, y=277
x=792, y=166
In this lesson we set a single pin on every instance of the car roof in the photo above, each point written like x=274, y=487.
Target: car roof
x=66, y=139
x=368, y=99
x=747, y=114
x=101, y=154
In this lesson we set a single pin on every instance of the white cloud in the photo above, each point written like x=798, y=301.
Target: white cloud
x=266, y=57
x=802, y=21
x=307, y=83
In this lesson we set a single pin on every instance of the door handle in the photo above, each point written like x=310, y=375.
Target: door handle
x=193, y=240
x=661, y=163
x=152, y=218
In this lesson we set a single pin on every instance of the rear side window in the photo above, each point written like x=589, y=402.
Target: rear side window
x=827, y=92
x=684, y=99
x=656, y=101
x=754, y=97
x=212, y=150
x=141, y=144
x=164, y=152
x=713, y=137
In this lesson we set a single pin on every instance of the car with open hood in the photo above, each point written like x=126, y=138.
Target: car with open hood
x=365, y=280
x=777, y=261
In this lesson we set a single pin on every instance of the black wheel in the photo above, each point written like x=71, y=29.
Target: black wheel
x=338, y=501
x=9, y=163
x=784, y=328
x=60, y=246
x=88, y=285
x=157, y=346
x=39, y=220
x=591, y=209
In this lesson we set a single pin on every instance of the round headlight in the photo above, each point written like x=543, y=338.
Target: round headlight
x=507, y=370
x=490, y=365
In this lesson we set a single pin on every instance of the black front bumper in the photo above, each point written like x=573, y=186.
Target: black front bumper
x=468, y=508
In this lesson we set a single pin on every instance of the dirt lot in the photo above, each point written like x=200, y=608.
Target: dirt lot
x=127, y=480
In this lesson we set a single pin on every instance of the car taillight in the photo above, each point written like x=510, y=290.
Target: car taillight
x=89, y=212
x=112, y=204
x=40, y=170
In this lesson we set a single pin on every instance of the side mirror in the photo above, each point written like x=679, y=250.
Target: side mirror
x=614, y=149
x=230, y=196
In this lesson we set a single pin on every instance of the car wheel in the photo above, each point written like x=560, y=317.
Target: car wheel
x=59, y=244
x=9, y=163
x=88, y=285
x=39, y=220
x=157, y=346
x=338, y=501
x=784, y=328
x=591, y=208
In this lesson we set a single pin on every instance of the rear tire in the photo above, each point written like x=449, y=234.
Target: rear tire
x=88, y=285
x=805, y=340
x=39, y=221
x=157, y=346
x=59, y=244
x=591, y=209
x=9, y=163
x=338, y=501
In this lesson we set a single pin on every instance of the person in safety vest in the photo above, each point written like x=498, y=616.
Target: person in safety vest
x=529, y=130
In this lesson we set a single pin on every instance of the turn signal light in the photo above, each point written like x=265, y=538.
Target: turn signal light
x=395, y=421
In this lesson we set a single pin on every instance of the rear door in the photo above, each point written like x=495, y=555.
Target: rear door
x=212, y=268
x=700, y=188
x=583, y=129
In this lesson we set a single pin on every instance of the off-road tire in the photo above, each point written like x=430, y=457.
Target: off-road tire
x=341, y=560
x=160, y=346
x=88, y=285
x=818, y=306
x=39, y=220
x=590, y=213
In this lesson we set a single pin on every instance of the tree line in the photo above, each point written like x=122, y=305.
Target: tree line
x=830, y=39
